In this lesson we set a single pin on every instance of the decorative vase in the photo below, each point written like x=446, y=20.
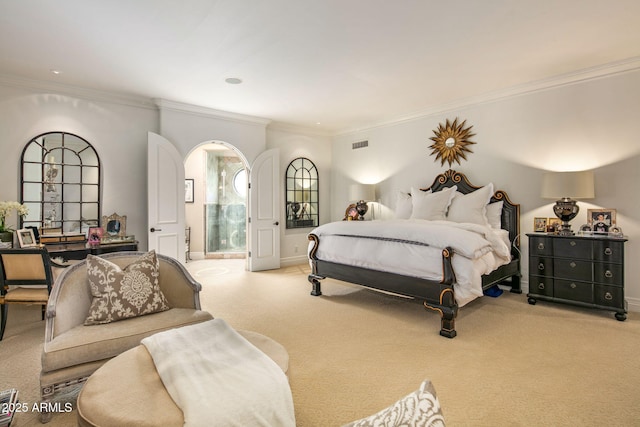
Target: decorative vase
x=6, y=236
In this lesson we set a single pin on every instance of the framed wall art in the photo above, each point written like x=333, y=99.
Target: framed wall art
x=188, y=190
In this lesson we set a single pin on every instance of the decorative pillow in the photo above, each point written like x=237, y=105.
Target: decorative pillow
x=120, y=294
x=494, y=214
x=431, y=206
x=404, y=205
x=471, y=207
x=420, y=409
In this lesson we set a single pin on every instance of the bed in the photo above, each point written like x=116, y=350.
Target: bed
x=443, y=263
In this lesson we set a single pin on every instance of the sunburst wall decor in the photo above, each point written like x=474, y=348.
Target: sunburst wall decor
x=451, y=142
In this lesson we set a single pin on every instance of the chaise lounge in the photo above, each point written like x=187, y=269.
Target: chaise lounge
x=73, y=351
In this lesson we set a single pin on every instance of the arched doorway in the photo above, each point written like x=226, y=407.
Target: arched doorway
x=217, y=218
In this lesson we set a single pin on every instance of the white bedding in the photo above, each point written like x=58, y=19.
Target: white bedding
x=414, y=248
x=217, y=377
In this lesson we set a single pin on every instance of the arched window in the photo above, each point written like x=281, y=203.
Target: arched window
x=301, y=183
x=60, y=179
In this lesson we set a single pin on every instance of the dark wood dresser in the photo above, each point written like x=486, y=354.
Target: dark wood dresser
x=577, y=270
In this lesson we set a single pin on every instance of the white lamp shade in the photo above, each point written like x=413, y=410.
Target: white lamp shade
x=576, y=185
x=366, y=192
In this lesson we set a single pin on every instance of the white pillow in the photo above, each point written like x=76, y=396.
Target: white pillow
x=471, y=207
x=494, y=214
x=431, y=206
x=404, y=205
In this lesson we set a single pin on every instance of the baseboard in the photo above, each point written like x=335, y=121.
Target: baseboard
x=633, y=304
x=293, y=260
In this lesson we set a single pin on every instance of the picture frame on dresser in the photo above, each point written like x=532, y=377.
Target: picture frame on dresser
x=601, y=220
x=539, y=224
x=26, y=238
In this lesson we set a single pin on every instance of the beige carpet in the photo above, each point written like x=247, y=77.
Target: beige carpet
x=354, y=351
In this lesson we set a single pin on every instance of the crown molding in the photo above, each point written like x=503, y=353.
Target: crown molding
x=288, y=127
x=77, y=92
x=592, y=73
x=164, y=104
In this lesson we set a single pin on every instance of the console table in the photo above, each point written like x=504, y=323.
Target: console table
x=79, y=251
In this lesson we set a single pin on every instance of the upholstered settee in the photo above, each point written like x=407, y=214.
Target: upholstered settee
x=75, y=347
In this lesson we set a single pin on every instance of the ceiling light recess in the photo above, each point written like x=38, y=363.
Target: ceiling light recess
x=233, y=80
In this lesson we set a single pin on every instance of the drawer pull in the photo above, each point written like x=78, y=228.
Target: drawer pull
x=540, y=246
x=541, y=266
x=608, y=274
x=572, y=243
x=540, y=285
x=608, y=296
x=572, y=264
x=608, y=251
x=573, y=286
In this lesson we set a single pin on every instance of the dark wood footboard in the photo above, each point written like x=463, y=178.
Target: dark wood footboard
x=436, y=295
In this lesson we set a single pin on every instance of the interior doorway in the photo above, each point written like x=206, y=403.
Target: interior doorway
x=217, y=218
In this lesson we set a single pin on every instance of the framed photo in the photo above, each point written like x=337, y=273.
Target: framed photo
x=26, y=238
x=188, y=190
x=601, y=220
x=95, y=235
x=539, y=224
x=351, y=213
x=554, y=224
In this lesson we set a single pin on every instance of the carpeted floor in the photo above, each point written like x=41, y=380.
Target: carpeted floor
x=354, y=351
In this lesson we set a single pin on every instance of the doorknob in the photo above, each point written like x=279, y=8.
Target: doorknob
x=155, y=229
x=276, y=223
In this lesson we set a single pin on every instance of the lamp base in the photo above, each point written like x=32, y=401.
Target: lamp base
x=362, y=209
x=566, y=209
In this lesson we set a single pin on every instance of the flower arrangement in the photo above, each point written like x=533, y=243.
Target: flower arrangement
x=5, y=210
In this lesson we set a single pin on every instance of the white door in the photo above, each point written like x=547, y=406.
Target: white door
x=165, y=189
x=264, y=212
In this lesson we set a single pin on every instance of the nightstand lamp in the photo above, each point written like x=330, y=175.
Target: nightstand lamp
x=563, y=186
x=361, y=194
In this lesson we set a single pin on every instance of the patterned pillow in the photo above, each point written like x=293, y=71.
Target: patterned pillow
x=419, y=409
x=120, y=294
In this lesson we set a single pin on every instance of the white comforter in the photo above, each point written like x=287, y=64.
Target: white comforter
x=414, y=248
x=217, y=377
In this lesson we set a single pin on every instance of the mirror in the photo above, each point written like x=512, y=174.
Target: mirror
x=301, y=181
x=451, y=142
x=60, y=178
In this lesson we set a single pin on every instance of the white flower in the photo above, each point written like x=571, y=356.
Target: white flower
x=5, y=210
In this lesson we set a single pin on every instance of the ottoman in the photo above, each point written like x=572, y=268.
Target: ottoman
x=127, y=390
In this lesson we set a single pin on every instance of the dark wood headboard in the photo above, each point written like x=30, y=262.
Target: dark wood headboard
x=510, y=210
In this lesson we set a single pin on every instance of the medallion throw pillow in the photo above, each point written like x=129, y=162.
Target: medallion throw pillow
x=124, y=293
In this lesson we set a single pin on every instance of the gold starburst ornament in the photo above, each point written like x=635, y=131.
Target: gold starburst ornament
x=451, y=142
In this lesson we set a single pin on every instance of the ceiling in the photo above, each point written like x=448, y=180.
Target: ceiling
x=333, y=65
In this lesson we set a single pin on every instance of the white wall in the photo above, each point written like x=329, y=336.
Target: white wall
x=587, y=125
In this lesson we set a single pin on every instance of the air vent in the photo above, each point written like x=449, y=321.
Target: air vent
x=360, y=144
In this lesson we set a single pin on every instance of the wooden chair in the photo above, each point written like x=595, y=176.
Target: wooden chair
x=28, y=272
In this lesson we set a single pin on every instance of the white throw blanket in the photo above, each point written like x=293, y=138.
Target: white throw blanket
x=217, y=377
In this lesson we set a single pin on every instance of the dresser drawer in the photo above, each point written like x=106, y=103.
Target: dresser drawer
x=573, y=291
x=610, y=274
x=540, y=246
x=541, y=285
x=575, y=248
x=608, y=251
x=573, y=269
x=541, y=266
x=609, y=296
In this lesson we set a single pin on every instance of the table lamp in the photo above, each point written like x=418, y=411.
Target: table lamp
x=361, y=194
x=564, y=186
